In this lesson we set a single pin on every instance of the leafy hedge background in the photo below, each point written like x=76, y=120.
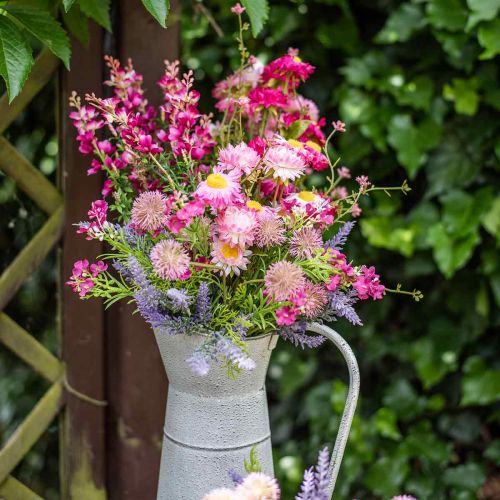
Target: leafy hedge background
x=417, y=84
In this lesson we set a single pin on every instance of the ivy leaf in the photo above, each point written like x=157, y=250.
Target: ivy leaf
x=15, y=57
x=489, y=39
x=464, y=95
x=447, y=14
x=158, y=9
x=258, y=12
x=482, y=10
x=401, y=24
x=68, y=4
x=480, y=385
x=44, y=27
x=98, y=10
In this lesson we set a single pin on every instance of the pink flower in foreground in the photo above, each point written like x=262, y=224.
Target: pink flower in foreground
x=368, y=285
x=241, y=158
x=81, y=280
x=237, y=226
x=334, y=283
x=267, y=97
x=170, y=260
x=304, y=242
x=237, y=9
x=356, y=210
x=219, y=190
x=284, y=163
x=270, y=230
x=98, y=212
x=258, y=486
x=363, y=181
x=229, y=258
x=288, y=68
x=315, y=299
x=283, y=280
x=285, y=316
x=148, y=211
x=98, y=268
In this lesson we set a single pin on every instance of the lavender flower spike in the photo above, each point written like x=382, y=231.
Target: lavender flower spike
x=296, y=334
x=203, y=305
x=340, y=239
x=341, y=305
x=322, y=474
x=227, y=348
x=179, y=300
x=308, y=486
x=199, y=363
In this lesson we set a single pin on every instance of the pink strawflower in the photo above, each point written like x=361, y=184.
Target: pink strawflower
x=285, y=316
x=237, y=225
x=221, y=494
x=344, y=172
x=219, y=190
x=229, y=258
x=170, y=260
x=241, y=158
x=148, y=211
x=270, y=230
x=283, y=280
x=237, y=9
x=315, y=300
x=258, y=144
x=338, y=126
x=285, y=163
x=356, y=210
x=258, y=486
x=305, y=242
x=367, y=284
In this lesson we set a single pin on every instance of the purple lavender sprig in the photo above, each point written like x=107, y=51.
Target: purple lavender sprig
x=340, y=239
x=203, y=312
x=232, y=353
x=341, y=305
x=296, y=334
x=316, y=479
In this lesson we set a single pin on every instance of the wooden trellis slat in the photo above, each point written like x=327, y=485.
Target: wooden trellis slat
x=44, y=67
x=28, y=433
x=30, y=257
x=12, y=489
x=18, y=340
x=28, y=178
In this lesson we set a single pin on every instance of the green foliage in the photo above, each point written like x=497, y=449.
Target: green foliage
x=258, y=12
x=253, y=463
x=158, y=9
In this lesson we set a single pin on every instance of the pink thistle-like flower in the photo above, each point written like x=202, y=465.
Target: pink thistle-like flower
x=170, y=260
x=367, y=284
x=237, y=226
x=270, y=230
x=338, y=126
x=283, y=280
x=240, y=158
x=258, y=486
x=344, y=172
x=284, y=163
x=316, y=298
x=304, y=242
x=148, y=211
x=219, y=190
x=237, y=9
x=220, y=494
x=356, y=210
x=229, y=258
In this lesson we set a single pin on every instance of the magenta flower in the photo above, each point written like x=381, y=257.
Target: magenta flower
x=344, y=172
x=98, y=268
x=367, y=284
x=285, y=316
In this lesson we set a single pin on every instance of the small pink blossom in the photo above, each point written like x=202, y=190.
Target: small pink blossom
x=356, y=210
x=338, y=126
x=344, y=173
x=363, y=182
x=237, y=9
x=367, y=284
x=285, y=316
x=98, y=268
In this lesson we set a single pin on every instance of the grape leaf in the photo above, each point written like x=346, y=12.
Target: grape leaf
x=158, y=9
x=98, y=10
x=258, y=12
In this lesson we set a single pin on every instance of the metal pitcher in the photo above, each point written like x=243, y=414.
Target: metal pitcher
x=212, y=422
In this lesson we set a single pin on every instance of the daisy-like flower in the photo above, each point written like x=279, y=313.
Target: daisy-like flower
x=315, y=299
x=241, y=158
x=258, y=486
x=284, y=162
x=270, y=230
x=229, y=258
x=170, y=260
x=219, y=190
x=283, y=279
x=304, y=242
x=148, y=211
x=220, y=493
x=237, y=226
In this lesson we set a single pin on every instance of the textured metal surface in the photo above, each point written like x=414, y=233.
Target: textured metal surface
x=350, y=403
x=213, y=421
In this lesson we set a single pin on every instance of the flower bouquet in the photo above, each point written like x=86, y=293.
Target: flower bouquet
x=213, y=227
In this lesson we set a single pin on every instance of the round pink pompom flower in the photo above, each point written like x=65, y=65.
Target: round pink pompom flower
x=315, y=299
x=283, y=279
x=170, y=260
x=270, y=230
x=148, y=211
x=304, y=242
x=258, y=486
x=237, y=226
x=240, y=158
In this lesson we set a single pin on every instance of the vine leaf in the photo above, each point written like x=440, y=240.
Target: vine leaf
x=68, y=4
x=15, y=57
x=258, y=12
x=44, y=27
x=98, y=10
x=158, y=9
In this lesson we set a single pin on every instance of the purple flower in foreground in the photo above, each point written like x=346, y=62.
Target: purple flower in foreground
x=308, y=486
x=236, y=477
x=137, y=272
x=341, y=305
x=296, y=334
x=234, y=354
x=316, y=480
x=179, y=300
x=340, y=239
x=199, y=363
x=203, y=312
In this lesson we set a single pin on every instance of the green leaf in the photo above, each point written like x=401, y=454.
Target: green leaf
x=482, y=10
x=468, y=477
x=387, y=474
x=158, y=9
x=480, y=385
x=489, y=39
x=491, y=219
x=44, y=27
x=401, y=24
x=386, y=424
x=390, y=233
x=297, y=128
x=464, y=95
x=15, y=57
x=447, y=14
x=258, y=12
x=77, y=24
x=98, y=10
x=68, y=4
x=253, y=463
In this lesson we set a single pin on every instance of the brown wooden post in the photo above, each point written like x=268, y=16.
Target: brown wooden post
x=83, y=459
x=137, y=385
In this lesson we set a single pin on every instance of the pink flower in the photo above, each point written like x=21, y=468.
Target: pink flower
x=79, y=267
x=237, y=9
x=339, y=193
x=170, y=260
x=98, y=212
x=283, y=280
x=229, y=258
x=363, y=181
x=367, y=284
x=285, y=316
x=146, y=145
x=270, y=230
x=148, y=211
x=190, y=210
x=258, y=486
x=220, y=494
x=338, y=126
x=305, y=242
x=237, y=226
x=356, y=210
x=219, y=190
x=258, y=144
x=315, y=299
x=268, y=188
x=107, y=187
x=404, y=497
x=81, y=280
x=344, y=172
x=289, y=68
x=284, y=163
x=240, y=158
x=98, y=268
x=334, y=283
x=267, y=97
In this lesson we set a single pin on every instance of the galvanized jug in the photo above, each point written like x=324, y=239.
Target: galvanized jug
x=212, y=422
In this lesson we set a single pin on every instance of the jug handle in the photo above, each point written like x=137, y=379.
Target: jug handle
x=350, y=403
